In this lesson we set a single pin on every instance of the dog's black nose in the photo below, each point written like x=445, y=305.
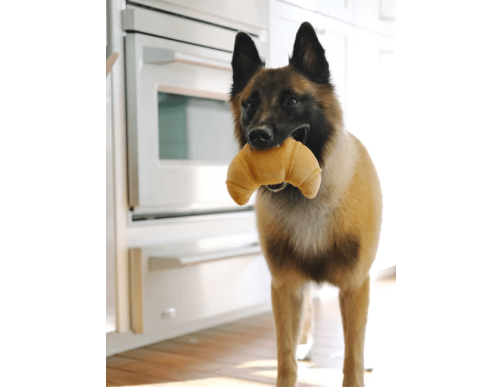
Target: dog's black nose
x=260, y=137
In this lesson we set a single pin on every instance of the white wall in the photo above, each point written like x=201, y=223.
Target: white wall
x=449, y=152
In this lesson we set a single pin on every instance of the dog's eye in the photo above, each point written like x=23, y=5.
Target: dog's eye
x=250, y=105
x=292, y=101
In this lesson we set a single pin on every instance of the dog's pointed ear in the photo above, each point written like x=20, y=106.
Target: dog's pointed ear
x=245, y=62
x=309, y=56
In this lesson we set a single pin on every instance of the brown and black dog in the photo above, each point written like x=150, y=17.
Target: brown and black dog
x=332, y=238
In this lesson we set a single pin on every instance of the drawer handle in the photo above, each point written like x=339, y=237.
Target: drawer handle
x=165, y=55
x=165, y=263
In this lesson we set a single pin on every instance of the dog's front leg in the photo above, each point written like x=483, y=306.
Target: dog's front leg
x=287, y=299
x=354, y=307
x=306, y=330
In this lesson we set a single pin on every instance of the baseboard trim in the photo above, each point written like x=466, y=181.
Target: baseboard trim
x=121, y=342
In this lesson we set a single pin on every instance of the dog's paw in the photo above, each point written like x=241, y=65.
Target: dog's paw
x=290, y=383
x=304, y=350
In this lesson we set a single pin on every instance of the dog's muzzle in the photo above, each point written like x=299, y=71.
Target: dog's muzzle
x=301, y=134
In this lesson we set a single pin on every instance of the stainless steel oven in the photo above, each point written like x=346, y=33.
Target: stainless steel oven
x=180, y=129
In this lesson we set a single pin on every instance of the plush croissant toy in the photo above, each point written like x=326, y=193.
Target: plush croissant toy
x=291, y=162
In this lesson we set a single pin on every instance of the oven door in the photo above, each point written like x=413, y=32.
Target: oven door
x=180, y=128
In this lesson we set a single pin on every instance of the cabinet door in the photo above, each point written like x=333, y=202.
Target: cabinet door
x=376, y=15
x=333, y=36
x=338, y=9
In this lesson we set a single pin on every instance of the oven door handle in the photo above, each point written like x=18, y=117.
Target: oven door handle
x=158, y=55
x=163, y=263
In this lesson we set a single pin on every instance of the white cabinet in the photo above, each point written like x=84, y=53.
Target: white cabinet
x=375, y=15
x=186, y=283
x=333, y=36
x=337, y=9
x=359, y=59
x=250, y=16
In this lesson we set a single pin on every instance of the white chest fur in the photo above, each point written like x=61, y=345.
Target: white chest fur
x=310, y=223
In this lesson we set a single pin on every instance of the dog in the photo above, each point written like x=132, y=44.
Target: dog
x=332, y=238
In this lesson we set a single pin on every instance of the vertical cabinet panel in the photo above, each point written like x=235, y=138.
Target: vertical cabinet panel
x=110, y=216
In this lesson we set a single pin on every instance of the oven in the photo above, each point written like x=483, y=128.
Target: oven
x=179, y=124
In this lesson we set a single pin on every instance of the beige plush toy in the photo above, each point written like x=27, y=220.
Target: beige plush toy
x=291, y=162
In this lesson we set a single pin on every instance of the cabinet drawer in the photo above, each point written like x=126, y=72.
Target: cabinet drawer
x=185, y=282
x=250, y=13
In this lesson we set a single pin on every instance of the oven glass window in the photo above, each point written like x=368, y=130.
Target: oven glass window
x=193, y=128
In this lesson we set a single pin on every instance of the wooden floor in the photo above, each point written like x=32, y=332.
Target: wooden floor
x=243, y=353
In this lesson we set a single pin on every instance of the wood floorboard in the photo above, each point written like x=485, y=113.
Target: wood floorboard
x=223, y=355
x=252, y=332
x=119, y=361
x=243, y=353
x=233, y=337
x=243, y=348
x=129, y=378
x=167, y=371
x=173, y=359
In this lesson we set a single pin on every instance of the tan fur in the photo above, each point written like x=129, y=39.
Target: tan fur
x=307, y=316
x=346, y=214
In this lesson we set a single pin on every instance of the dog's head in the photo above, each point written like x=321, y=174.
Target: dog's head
x=298, y=100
